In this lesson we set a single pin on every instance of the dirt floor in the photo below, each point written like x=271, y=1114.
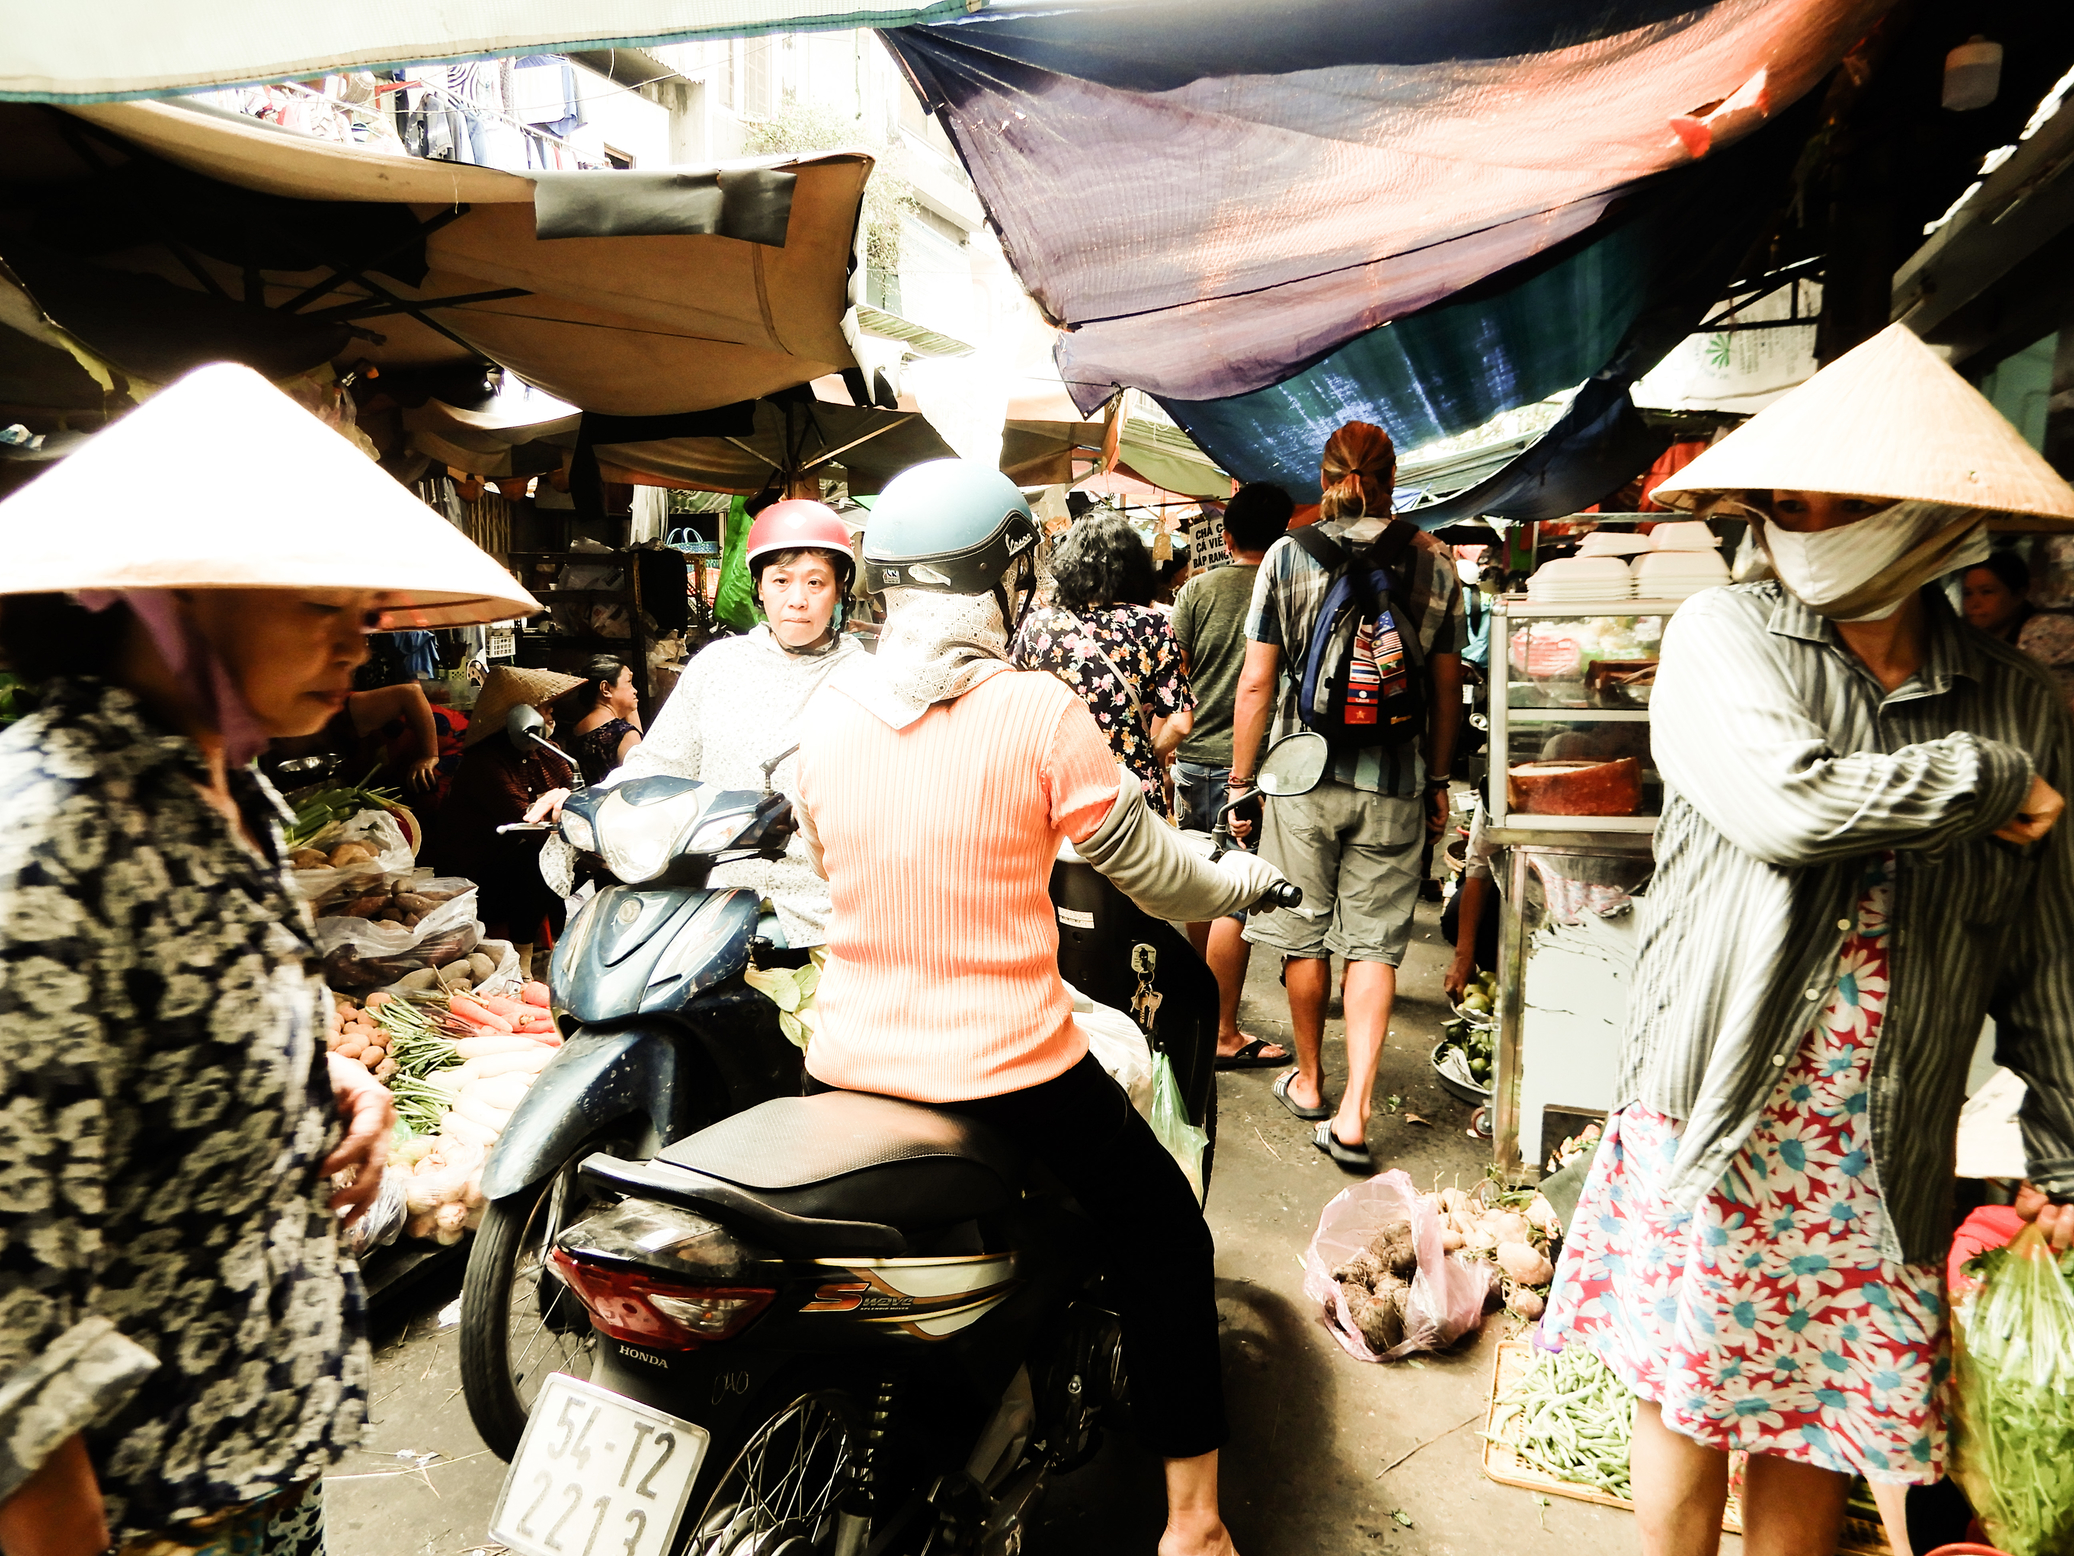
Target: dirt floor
x=1318, y=1461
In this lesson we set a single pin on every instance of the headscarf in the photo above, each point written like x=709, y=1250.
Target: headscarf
x=1864, y=571
x=1358, y=472
x=933, y=648
x=197, y=667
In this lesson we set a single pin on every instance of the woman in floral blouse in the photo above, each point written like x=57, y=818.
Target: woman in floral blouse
x=183, y=1348
x=1101, y=638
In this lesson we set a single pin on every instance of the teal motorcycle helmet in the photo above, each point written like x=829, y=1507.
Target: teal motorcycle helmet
x=954, y=527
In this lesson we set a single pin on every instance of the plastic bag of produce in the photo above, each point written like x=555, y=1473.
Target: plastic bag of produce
x=1183, y=1140
x=366, y=946
x=1384, y=1285
x=1119, y=1046
x=361, y=851
x=383, y=1222
x=2013, y=1407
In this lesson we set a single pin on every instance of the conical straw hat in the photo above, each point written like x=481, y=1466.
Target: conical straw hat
x=1887, y=419
x=504, y=689
x=221, y=481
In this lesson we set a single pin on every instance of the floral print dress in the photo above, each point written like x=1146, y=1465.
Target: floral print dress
x=1140, y=645
x=171, y=1281
x=1768, y=1319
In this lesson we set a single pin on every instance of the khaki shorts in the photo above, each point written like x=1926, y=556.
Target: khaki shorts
x=1356, y=856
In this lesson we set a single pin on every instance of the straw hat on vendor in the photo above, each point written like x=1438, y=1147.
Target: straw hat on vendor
x=507, y=687
x=187, y=1355
x=1861, y=842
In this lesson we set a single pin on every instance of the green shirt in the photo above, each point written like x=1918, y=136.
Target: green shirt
x=1210, y=621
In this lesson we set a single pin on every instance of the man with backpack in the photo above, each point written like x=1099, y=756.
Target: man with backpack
x=1363, y=612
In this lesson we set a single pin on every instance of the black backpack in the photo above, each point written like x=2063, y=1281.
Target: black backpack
x=1362, y=681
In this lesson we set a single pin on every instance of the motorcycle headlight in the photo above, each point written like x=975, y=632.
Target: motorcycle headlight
x=714, y=835
x=576, y=830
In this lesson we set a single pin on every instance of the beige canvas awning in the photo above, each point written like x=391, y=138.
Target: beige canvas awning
x=161, y=236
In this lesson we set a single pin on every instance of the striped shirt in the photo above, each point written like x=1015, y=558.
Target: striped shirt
x=942, y=982
x=1290, y=587
x=1785, y=765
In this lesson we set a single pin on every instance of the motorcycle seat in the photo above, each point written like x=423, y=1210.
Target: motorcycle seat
x=837, y=1173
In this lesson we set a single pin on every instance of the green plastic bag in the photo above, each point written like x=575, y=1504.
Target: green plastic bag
x=1183, y=1140
x=2013, y=1408
x=734, y=597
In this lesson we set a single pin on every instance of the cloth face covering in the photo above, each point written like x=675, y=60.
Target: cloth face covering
x=933, y=648
x=199, y=670
x=1863, y=571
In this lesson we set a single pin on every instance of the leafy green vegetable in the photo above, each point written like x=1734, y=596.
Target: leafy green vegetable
x=2013, y=1415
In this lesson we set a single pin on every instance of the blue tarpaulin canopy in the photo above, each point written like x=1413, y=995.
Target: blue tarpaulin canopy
x=1416, y=213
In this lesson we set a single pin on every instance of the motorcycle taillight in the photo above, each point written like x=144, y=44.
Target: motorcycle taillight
x=643, y=1308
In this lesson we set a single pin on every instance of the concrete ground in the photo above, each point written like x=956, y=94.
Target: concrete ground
x=1318, y=1461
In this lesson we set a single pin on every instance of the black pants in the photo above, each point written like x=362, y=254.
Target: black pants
x=1156, y=1245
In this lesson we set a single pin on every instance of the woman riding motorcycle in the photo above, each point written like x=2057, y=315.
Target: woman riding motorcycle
x=933, y=785
x=740, y=699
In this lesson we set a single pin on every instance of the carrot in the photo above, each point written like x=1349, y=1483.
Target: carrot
x=535, y=994
x=468, y=1010
x=498, y=1005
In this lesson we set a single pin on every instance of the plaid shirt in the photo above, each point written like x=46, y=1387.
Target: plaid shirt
x=1785, y=765
x=1286, y=596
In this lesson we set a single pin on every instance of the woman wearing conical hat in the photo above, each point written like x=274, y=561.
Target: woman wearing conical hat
x=1859, y=858
x=184, y=1351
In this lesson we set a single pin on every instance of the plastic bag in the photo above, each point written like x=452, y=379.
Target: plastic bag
x=1169, y=1118
x=1119, y=1047
x=383, y=1222
x=2013, y=1407
x=375, y=829
x=361, y=954
x=1447, y=1295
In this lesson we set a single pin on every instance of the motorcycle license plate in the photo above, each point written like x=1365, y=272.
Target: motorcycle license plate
x=596, y=1475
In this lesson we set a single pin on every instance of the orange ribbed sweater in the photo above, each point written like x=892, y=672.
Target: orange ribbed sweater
x=942, y=982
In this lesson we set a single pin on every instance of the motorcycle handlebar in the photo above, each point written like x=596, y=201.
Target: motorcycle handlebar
x=1286, y=895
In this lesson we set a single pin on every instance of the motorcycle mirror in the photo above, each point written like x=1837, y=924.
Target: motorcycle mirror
x=1294, y=764
x=522, y=723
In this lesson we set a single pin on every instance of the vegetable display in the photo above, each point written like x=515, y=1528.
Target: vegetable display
x=1468, y=1036
x=1570, y=1417
x=319, y=809
x=462, y=1064
x=2013, y=1407
x=1514, y=1230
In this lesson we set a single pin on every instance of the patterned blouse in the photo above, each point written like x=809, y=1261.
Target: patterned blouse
x=1140, y=644
x=170, y=1276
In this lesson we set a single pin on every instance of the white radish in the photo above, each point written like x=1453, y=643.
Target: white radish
x=475, y=1110
x=526, y=1064
x=502, y=1091
x=460, y=1125
x=495, y=1043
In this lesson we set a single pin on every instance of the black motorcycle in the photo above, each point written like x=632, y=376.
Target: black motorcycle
x=845, y=1325
x=662, y=1037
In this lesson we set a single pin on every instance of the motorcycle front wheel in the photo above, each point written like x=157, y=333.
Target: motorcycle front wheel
x=519, y=1323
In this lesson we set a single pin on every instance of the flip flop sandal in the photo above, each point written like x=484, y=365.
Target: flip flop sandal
x=1252, y=1057
x=1308, y=1115
x=1351, y=1158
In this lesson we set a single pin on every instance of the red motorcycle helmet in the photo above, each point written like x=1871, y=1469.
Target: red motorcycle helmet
x=795, y=524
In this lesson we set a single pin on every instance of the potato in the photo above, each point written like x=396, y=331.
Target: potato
x=351, y=853
x=385, y=1069
x=364, y=907
x=1508, y=1226
x=1450, y=1240
x=1526, y=1302
x=309, y=859
x=481, y=967
x=423, y=978
x=414, y=902
x=1456, y=1201
x=350, y=1047
x=1524, y=1264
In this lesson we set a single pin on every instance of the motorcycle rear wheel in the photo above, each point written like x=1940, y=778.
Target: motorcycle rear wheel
x=519, y=1323
x=780, y=1493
